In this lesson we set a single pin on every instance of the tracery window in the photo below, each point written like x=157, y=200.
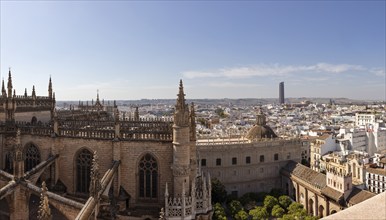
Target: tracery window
x=32, y=157
x=83, y=168
x=148, y=177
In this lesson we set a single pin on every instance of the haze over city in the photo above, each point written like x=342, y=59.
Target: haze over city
x=134, y=50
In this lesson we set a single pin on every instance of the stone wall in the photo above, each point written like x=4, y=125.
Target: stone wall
x=262, y=173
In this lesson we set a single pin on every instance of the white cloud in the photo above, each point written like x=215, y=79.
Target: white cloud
x=231, y=85
x=276, y=70
x=378, y=72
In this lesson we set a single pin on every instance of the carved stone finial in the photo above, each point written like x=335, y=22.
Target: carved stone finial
x=33, y=91
x=9, y=83
x=18, y=150
x=95, y=185
x=50, y=88
x=3, y=91
x=161, y=214
x=181, y=97
x=44, y=212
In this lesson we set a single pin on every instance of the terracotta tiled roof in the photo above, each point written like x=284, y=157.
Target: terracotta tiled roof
x=358, y=195
x=306, y=174
x=332, y=193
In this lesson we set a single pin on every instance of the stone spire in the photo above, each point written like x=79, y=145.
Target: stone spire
x=192, y=117
x=181, y=114
x=98, y=103
x=33, y=92
x=25, y=92
x=44, y=212
x=50, y=88
x=181, y=97
x=9, y=84
x=3, y=92
x=95, y=185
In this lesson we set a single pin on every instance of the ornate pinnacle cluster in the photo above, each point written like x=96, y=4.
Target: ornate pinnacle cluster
x=3, y=92
x=33, y=91
x=181, y=97
x=95, y=185
x=44, y=212
x=9, y=83
x=181, y=115
x=18, y=150
x=50, y=88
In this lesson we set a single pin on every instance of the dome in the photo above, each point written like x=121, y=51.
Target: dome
x=260, y=130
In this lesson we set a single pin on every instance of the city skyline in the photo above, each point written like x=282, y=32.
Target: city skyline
x=135, y=50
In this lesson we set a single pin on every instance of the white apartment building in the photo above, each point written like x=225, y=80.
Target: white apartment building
x=363, y=119
x=321, y=146
x=356, y=137
x=376, y=178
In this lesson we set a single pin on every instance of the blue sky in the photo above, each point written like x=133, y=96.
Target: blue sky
x=134, y=50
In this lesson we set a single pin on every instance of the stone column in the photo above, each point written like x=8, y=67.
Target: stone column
x=19, y=204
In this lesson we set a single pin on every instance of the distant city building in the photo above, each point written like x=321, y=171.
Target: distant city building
x=376, y=177
x=281, y=93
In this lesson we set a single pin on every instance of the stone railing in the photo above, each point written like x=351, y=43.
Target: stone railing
x=86, y=133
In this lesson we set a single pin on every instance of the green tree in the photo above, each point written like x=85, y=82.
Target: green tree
x=242, y=215
x=234, y=207
x=277, y=211
x=270, y=202
x=219, y=194
x=297, y=210
x=259, y=213
x=219, y=212
x=310, y=217
x=288, y=217
x=285, y=201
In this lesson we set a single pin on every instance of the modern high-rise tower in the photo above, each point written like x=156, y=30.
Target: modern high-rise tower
x=281, y=93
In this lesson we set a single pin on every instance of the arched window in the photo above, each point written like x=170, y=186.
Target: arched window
x=148, y=177
x=83, y=168
x=32, y=157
